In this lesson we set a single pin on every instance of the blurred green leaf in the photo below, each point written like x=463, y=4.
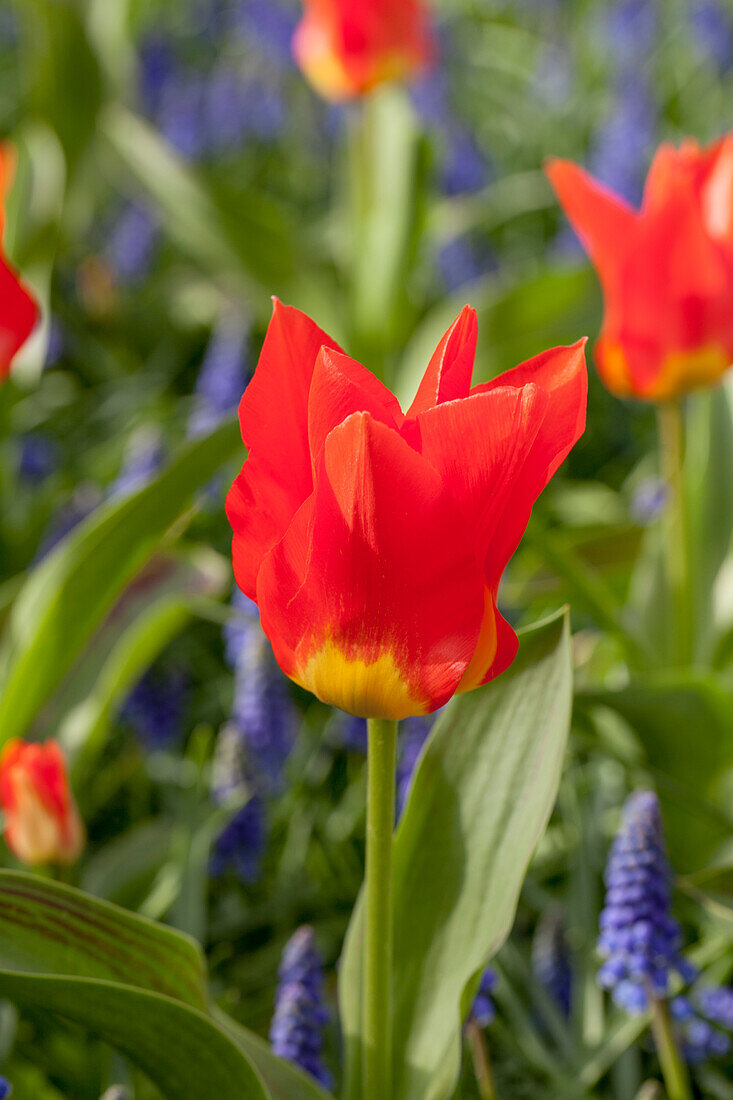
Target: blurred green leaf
x=126, y=865
x=69, y=593
x=240, y=236
x=481, y=797
x=66, y=85
x=160, y=618
x=709, y=461
x=517, y=319
x=684, y=721
x=382, y=213
x=179, y=1048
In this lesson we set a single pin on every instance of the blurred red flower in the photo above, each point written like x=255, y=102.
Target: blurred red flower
x=666, y=269
x=42, y=823
x=374, y=541
x=346, y=47
x=18, y=310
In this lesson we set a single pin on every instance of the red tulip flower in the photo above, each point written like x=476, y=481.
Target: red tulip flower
x=42, y=823
x=666, y=269
x=374, y=541
x=18, y=310
x=346, y=47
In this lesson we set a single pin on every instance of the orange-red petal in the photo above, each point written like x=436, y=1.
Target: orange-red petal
x=448, y=375
x=273, y=415
x=374, y=598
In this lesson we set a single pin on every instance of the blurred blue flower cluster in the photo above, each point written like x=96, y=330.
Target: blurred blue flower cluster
x=296, y=1033
x=222, y=378
x=254, y=746
x=241, y=843
x=156, y=706
x=699, y=1022
x=483, y=1009
x=551, y=960
x=231, y=89
x=640, y=939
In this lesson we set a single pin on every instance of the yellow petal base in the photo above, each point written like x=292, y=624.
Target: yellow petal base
x=375, y=689
x=679, y=373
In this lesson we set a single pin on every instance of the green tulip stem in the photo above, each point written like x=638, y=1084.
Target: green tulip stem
x=671, y=455
x=674, y=1070
x=481, y=1061
x=377, y=1053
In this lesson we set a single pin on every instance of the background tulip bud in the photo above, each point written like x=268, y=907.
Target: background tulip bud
x=42, y=823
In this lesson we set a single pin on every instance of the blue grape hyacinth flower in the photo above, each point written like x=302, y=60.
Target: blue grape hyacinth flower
x=6, y=1089
x=39, y=457
x=712, y=27
x=131, y=246
x=241, y=844
x=263, y=710
x=640, y=939
x=300, y=1017
x=551, y=960
x=156, y=706
x=222, y=378
x=483, y=1010
x=622, y=149
x=697, y=1035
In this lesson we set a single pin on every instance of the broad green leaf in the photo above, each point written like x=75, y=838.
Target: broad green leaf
x=284, y=1081
x=180, y=1049
x=481, y=798
x=70, y=592
x=49, y=928
x=684, y=721
x=136, y=984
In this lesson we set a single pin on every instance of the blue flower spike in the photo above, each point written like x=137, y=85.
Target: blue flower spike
x=296, y=1033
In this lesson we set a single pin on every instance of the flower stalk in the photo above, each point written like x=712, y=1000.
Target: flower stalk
x=671, y=457
x=481, y=1061
x=674, y=1070
x=381, y=760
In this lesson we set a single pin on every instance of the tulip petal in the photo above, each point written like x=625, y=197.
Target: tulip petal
x=276, y=478
x=340, y=387
x=18, y=316
x=497, y=450
x=374, y=598
x=449, y=372
x=602, y=220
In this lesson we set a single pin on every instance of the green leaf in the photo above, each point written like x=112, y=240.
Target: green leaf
x=161, y=615
x=285, y=1081
x=180, y=1049
x=136, y=984
x=49, y=928
x=71, y=591
x=481, y=797
x=240, y=236
x=65, y=81
x=684, y=721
